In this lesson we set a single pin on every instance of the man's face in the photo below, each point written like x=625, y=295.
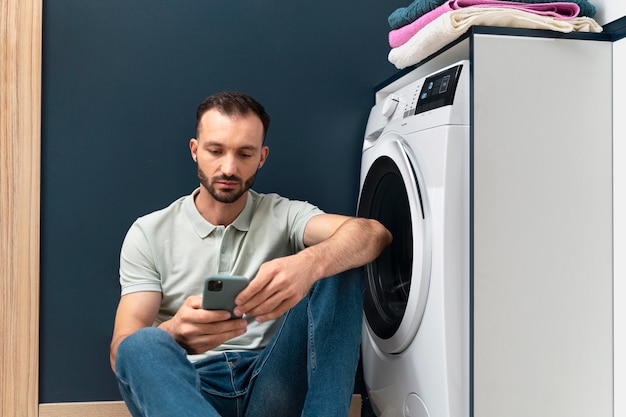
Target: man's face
x=229, y=151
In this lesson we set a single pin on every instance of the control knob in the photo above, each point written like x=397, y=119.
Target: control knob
x=390, y=104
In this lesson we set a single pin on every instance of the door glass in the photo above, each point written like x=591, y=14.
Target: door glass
x=384, y=197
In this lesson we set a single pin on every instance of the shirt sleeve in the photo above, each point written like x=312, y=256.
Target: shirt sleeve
x=138, y=270
x=300, y=214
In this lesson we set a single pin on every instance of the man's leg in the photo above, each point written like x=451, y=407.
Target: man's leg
x=279, y=384
x=156, y=378
x=310, y=364
x=335, y=316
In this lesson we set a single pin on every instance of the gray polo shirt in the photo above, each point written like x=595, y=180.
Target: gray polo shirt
x=174, y=249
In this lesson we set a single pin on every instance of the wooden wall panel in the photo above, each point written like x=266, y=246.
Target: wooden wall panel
x=20, y=127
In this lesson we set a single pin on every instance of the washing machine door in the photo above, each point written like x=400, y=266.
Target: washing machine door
x=394, y=193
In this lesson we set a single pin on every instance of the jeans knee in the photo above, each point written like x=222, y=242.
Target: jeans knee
x=142, y=338
x=142, y=345
x=346, y=285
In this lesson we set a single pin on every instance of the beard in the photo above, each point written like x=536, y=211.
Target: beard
x=225, y=196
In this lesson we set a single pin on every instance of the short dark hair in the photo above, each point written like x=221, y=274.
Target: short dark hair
x=232, y=103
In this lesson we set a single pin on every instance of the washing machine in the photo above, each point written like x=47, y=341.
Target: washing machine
x=415, y=180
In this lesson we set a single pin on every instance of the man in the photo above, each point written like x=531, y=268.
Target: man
x=172, y=358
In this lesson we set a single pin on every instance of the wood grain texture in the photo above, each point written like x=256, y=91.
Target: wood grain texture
x=20, y=140
x=118, y=409
x=91, y=409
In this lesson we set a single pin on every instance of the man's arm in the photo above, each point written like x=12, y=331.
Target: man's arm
x=334, y=244
x=134, y=311
x=195, y=329
x=338, y=243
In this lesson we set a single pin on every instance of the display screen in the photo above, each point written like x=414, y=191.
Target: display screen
x=438, y=90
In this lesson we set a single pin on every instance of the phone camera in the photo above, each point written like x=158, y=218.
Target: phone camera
x=215, y=285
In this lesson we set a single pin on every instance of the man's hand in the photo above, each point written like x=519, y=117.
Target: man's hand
x=199, y=330
x=278, y=286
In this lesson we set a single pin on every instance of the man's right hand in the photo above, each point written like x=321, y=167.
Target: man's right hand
x=198, y=330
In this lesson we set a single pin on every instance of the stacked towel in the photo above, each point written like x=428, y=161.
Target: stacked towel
x=405, y=15
x=400, y=36
x=434, y=29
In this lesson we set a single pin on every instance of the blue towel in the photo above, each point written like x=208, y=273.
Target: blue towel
x=405, y=15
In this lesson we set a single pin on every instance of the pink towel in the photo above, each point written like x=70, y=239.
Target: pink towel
x=560, y=10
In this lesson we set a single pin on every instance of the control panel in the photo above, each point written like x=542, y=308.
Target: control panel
x=429, y=93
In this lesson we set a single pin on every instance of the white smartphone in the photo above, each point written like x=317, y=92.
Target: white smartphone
x=220, y=291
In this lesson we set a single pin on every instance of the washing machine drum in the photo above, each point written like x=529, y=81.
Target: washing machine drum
x=397, y=282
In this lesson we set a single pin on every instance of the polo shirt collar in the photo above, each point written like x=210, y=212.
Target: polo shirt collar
x=203, y=228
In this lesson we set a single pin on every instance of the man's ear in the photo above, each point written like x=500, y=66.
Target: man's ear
x=193, y=148
x=265, y=150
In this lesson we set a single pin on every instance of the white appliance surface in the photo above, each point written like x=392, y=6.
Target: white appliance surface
x=422, y=368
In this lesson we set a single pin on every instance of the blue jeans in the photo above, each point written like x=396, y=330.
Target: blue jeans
x=307, y=368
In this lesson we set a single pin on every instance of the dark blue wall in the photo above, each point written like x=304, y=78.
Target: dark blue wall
x=121, y=82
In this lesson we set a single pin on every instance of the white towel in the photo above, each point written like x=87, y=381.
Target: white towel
x=451, y=25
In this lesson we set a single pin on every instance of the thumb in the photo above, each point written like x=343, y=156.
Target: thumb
x=193, y=301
